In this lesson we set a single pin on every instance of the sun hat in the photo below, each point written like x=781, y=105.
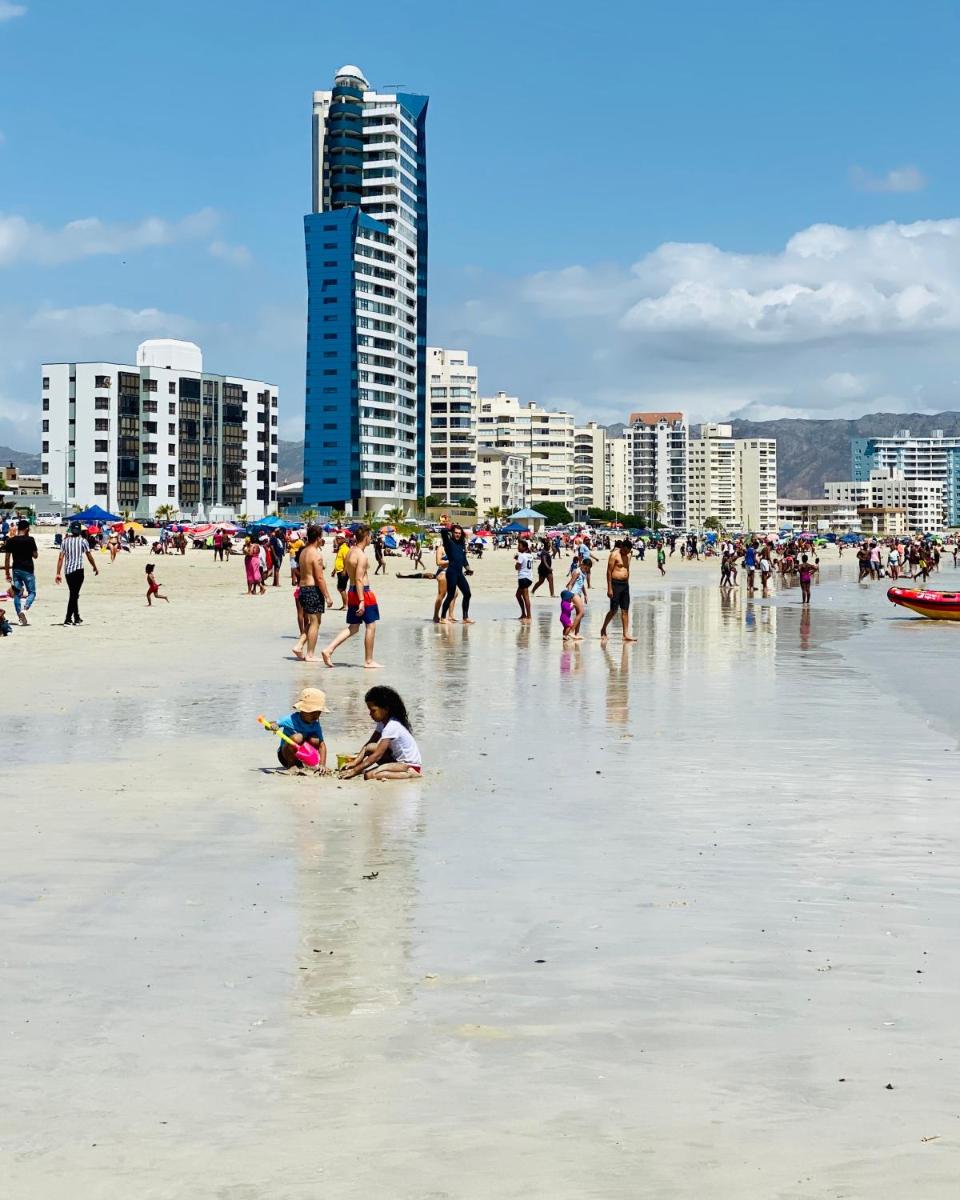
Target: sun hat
x=311, y=700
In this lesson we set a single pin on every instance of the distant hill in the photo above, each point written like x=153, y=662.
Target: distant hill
x=289, y=462
x=29, y=464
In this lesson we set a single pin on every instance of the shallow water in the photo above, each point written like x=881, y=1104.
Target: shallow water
x=661, y=920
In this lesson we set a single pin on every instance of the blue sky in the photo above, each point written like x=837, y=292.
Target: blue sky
x=744, y=208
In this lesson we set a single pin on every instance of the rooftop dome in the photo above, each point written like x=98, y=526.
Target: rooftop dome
x=352, y=72
x=170, y=352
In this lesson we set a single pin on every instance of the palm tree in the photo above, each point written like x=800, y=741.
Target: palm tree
x=396, y=516
x=655, y=508
x=495, y=514
x=309, y=515
x=337, y=516
x=164, y=513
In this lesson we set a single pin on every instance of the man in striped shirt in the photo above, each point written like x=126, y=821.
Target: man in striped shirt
x=70, y=567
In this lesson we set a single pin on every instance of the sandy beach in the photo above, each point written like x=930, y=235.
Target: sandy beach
x=669, y=920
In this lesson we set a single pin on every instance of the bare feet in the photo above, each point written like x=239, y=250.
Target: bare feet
x=371, y=666
x=468, y=621
x=327, y=660
x=298, y=654
x=627, y=638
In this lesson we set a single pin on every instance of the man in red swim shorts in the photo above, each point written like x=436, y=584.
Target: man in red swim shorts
x=362, y=607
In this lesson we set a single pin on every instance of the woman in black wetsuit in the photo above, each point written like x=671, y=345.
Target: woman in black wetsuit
x=455, y=549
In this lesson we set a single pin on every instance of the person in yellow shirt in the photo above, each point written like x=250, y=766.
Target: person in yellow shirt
x=340, y=568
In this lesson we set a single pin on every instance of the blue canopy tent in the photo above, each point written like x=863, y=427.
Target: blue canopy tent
x=390, y=541
x=513, y=527
x=94, y=514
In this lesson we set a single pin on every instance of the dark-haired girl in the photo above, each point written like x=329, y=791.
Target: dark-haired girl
x=392, y=751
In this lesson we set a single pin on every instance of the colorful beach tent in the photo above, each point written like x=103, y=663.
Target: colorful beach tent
x=95, y=515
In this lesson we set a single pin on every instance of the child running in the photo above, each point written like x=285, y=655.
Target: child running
x=153, y=587
x=302, y=725
x=392, y=751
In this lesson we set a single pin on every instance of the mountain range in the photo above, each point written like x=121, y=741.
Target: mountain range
x=809, y=452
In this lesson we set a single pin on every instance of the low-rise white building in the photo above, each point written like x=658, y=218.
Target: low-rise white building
x=922, y=500
x=133, y=438
x=817, y=516
x=501, y=481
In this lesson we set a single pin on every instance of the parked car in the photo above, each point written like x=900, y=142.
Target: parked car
x=51, y=518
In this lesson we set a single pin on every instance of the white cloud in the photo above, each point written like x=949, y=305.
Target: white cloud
x=109, y=320
x=900, y=179
x=827, y=284
x=8, y=10
x=24, y=241
x=238, y=256
x=837, y=321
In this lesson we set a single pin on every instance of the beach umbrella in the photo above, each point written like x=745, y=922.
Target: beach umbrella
x=134, y=525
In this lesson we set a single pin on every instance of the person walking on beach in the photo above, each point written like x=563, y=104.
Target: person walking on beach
x=340, y=568
x=251, y=563
x=618, y=588
x=21, y=551
x=524, y=563
x=661, y=559
x=70, y=567
x=544, y=568
x=313, y=596
x=378, y=554
x=455, y=549
x=276, y=553
x=362, y=607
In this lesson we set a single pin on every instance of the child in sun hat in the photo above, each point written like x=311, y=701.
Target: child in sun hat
x=303, y=725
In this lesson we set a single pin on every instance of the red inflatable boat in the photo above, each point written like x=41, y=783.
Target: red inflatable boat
x=940, y=606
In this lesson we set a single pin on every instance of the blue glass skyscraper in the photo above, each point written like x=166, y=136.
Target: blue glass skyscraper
x=366, y=243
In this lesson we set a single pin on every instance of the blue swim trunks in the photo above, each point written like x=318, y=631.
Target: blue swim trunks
x=371, y=611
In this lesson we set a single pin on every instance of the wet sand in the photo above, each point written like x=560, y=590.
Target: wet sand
x=662, y=921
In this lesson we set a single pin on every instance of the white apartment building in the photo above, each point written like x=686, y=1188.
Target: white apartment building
x=920, y=500
x=733, y=479
x=615, y=475
x=757, y=484
x=714, y=478
x=501, y=481
x=543, y=437
x=589, y=468
x=935, y=458
x=161, y=432
x=451, y=448
x=657, y=467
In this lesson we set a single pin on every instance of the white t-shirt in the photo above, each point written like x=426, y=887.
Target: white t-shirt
x=402, y=742
x=525, y=566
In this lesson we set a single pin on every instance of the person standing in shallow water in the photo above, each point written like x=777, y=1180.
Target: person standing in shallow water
x=618, y=588
x=314, y=596
x=455, y=550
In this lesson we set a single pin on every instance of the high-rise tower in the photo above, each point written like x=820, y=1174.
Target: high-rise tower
x=366, y=241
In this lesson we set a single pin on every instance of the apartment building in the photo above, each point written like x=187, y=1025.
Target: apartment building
x=543, y=437
x=501, y=481
x=656, y=475
x=589, y=469
x=162, y=431
x=935, y=458
x=451, y=448
x=921, y=501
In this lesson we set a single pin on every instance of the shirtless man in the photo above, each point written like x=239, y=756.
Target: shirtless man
x=362, y=606
x=618, y=587
x=314, y=596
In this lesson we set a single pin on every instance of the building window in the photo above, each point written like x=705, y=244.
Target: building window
x=46, y=382
x=101, y=381
x=101, y=424
x=149, y=385
x=172, y=408
x=102, y=403
x=100, y=468
x=172, y=387
x=172, y=490
x=149, y=406
x=171, y=449
x=149, y=489
x=46, y=404
x=45, y=448
x=100, y=446
x=171, y=469
x=46, y=427
x=99, y=489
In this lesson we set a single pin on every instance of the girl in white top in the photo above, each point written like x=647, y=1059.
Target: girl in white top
x=392, y=752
